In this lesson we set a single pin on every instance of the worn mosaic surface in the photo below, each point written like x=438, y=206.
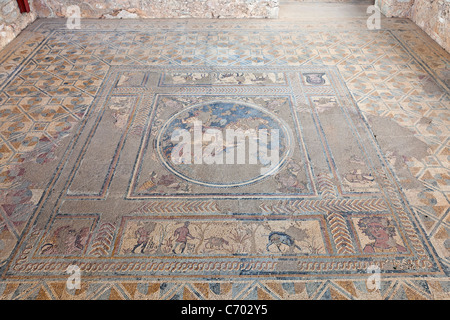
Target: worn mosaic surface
x=85, y=179
x=431, y=16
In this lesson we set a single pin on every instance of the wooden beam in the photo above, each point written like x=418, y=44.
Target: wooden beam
x=23, y=6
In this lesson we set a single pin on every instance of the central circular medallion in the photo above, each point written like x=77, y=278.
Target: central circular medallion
x=223, y=143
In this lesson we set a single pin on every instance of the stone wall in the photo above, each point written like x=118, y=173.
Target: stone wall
x=433, y=17
x=161, y=8
x=395, y=8
x=12, y=22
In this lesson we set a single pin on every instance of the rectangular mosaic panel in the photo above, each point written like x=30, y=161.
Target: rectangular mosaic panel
x=329, y=206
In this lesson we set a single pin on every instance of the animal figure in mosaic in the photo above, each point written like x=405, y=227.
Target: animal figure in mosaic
x=288, y=180
x=188, y=77
x=215, y=243
x=288, y=238
x=356, y=176
x=279, y=238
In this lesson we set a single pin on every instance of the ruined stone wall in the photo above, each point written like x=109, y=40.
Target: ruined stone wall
x=433, y=17
x=12, y=22
x=161, y=8
x=395, y=8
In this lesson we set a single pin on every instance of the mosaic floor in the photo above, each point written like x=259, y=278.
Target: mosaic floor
x=85, y=178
